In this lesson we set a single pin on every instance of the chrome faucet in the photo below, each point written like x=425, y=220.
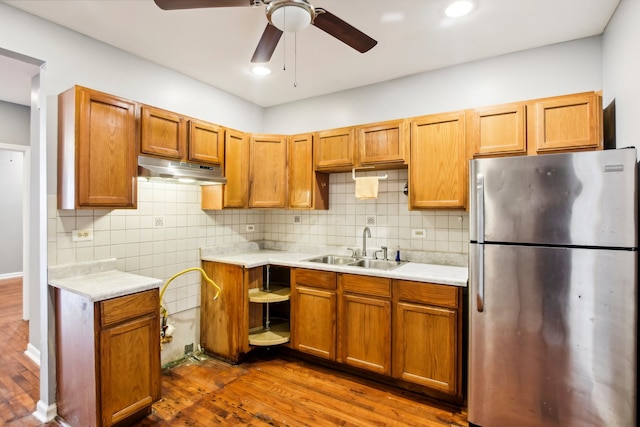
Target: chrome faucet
x=365, y=233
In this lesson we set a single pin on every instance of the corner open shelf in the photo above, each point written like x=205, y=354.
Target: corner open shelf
x=273, y=329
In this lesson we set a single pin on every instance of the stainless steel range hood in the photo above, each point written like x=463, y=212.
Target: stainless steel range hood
x=151, y=167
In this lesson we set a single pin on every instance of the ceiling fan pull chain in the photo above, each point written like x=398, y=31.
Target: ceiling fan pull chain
x=295, y=59
x=284, y=51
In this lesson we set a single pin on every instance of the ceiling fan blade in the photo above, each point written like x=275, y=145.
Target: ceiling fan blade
x=196, y=4
x=344, y=32
x=267, y=44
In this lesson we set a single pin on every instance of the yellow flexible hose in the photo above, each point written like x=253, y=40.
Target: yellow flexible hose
x=204, y=276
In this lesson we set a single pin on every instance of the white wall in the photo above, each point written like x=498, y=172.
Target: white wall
x=11, y=176
x=14, y=130
x=621, y=71
x=547, y=71
x=14, y=123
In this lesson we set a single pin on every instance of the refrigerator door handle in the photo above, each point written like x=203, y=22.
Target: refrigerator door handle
x=480, y=230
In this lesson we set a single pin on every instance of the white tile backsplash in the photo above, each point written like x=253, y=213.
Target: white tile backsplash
x=142, y=248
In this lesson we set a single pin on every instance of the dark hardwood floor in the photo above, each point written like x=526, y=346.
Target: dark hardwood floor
x=269, y=389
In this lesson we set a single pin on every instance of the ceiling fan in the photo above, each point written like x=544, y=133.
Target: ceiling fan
x=284, y=15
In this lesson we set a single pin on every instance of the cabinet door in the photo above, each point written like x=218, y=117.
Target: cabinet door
x=130, y=368
x=365, y=333
x=567, y=123
x=498, y=130
x=162, y=133
x=383, y=143
x=224, y=322
x=438, y=167
x=307, y=189
x=313, y=323
x=334, y=149
x=206, y=143
x=425, y=346
x=268, y=171
x=101, y=129
x=236, y=170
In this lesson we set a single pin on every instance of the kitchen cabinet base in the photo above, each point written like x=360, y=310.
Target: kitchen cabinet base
x=383, y=380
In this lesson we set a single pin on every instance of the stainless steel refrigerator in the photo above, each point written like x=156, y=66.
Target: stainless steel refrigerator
x=553, y=290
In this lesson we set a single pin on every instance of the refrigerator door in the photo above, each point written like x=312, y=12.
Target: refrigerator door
x=577, y=199
x=556, y=342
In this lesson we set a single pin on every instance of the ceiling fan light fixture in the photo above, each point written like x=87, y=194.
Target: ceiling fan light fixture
x=260, y=70
x=459, y=8
x=290, y=15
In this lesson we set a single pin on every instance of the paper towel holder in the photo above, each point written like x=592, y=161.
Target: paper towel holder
x=353, y=172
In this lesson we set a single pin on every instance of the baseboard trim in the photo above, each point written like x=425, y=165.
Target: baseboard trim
x=45, y=413
x=33, y=353
x=11, y=275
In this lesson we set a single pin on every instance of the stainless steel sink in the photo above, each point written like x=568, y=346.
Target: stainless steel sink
x=377, y=264
x=333, y=259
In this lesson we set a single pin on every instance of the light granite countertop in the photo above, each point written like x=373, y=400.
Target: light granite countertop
x=99, y=280
x=415, y=271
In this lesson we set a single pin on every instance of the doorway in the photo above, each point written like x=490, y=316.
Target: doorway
x=14, y=209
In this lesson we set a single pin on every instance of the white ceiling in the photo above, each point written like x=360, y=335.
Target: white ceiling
x=215, y=45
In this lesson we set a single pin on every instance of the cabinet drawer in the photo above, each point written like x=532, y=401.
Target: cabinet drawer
x=127, y=307
x=427, y=293
x=315, y=278
x=374, y=286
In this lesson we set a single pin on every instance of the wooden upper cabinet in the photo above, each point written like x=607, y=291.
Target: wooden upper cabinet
x=383, y=143
x=496, y=130
x=236, y=169
x=267, y=171
x=162, y=133
x=97, y=149
x=334, y=149
x=571, y=122
x=438, y=166
x=307, y=189
x=206, y=143
x=235, y=193
x=175, y=137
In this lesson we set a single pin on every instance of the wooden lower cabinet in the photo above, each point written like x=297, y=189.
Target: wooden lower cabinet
x=107, y=358
x=224, y=322
x=314, y=312
x=364, y=338
x=427, y=340
x=409, y=332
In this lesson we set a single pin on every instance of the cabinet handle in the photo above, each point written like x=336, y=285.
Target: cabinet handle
x=480, y=231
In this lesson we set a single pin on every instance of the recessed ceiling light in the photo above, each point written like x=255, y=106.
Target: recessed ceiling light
x=459, y=8
x=260, y=70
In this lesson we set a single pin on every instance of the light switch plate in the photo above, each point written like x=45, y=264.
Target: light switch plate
x=250, y=227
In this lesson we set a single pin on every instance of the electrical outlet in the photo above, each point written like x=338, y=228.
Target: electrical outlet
x=158, y=221
x=250, y=228
x=82, y=235
x=371, y=220
x=297, y=219
x=418, y=233
x=188, y=349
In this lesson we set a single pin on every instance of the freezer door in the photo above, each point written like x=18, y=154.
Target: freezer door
x=581, y=199
x=556, y=342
